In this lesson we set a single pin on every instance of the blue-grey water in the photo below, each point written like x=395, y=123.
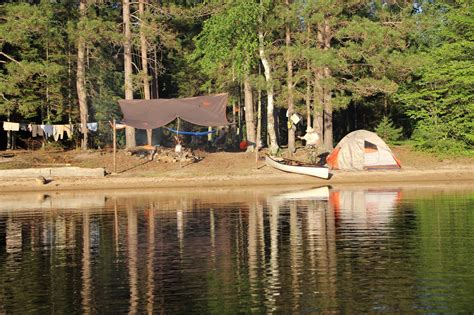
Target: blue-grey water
x=252, y=250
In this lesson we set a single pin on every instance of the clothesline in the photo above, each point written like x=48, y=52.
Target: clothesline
x=29, y=123
x=57, y=130
x=200, y=133
x=47, y=130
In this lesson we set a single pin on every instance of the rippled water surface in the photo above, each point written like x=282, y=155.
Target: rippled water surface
x=257, y=250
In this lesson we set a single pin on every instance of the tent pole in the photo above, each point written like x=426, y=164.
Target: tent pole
x=115, y=146
x=180, y=153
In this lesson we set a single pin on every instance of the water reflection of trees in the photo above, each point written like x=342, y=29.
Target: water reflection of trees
x=190, y=254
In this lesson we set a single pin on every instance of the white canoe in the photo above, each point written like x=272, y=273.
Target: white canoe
x=317, y=171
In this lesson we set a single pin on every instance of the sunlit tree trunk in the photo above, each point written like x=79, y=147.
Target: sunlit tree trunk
x=81, y=76
x=270, y=104
x=144, y=56
x=291, y=109
x=127, y=53
x=259, y=121
x=249, y=114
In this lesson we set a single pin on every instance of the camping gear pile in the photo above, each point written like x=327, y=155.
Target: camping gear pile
x=171, y=155
x=164, y=155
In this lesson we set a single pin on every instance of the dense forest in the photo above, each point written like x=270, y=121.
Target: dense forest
x=404, y=69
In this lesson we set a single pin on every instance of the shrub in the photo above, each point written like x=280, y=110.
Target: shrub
x=387, y=131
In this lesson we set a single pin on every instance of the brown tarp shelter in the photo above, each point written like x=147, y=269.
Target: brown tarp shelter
x=209, y=110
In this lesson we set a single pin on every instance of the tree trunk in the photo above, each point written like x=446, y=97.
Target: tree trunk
x=81, y=78
x=328, y=141
x=258, y=137
x=249, y=115
x=144, y=56
x=327, y=93
x=308, y=82
x=308, y=99
x=270, y=105
x=127, y=58
x=291, y=105
x=317, y=104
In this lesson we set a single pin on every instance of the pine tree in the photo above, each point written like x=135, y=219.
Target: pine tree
x=32, y=62
x=128, y=71
x=387, y=131
x=81, y=74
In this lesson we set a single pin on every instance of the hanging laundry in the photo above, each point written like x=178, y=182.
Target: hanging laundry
x=69, y=130
x=48, y=130
x=59, y=131
x=36, y=131
x=295, y=119
x=11, y=126
x=92, y=126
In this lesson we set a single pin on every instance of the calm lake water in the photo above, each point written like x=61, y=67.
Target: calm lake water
x=282, y=250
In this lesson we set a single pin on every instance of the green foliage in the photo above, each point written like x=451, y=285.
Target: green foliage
x=419, y=63
x=375, y=50
x=229, y=38
x=441, y=97
x=387, y=131
x=32, y=76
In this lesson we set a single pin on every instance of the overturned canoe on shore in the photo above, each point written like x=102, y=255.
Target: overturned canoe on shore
x=297, y=167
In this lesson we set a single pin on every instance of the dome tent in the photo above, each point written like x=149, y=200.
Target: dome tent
x=362, y=150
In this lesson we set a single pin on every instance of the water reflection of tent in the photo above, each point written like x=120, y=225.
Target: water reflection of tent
x=365, y=205
x=360, y=150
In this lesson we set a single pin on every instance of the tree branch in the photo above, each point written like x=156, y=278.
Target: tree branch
x=9, y=57
x=136, y=67
x=391, y=23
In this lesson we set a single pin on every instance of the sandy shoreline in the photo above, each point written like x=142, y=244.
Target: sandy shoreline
x=222, y=169
x=257, y=177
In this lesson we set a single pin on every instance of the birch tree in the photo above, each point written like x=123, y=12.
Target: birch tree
x=267, y=70
x=128, y=71
x=289, y=82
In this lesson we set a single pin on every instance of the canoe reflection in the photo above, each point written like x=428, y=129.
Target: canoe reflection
x=318, y=193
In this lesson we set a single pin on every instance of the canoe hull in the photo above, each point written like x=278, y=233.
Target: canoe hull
x=321, y=172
